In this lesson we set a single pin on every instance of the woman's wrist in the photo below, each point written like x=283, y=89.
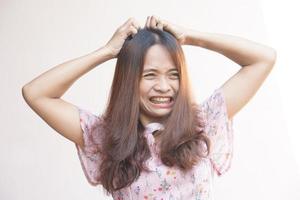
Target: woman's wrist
x=193, y=37
x=104, y=53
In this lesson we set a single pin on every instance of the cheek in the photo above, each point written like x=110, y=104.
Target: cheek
x=143, y=95
x=175, y=86
x=145, y=88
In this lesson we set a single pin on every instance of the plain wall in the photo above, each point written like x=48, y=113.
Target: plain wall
x=38, y=163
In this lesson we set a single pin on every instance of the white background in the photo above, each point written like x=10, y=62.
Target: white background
x=281, y=23
x=38, y=163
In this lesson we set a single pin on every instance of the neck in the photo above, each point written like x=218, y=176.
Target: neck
x=146, y=120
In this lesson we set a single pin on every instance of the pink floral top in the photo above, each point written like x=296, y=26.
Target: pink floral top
x=167, y=183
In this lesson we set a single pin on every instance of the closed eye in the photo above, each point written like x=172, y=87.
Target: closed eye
x=151, y=74
x=175, y=75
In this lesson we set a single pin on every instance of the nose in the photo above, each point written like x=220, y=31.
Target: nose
x=163, y=85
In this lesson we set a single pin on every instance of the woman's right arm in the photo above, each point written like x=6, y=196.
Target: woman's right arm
x=43, y=94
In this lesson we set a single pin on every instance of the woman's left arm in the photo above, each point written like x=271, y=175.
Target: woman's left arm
x=256, y=61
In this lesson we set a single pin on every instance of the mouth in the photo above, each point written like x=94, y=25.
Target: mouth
x=162, y=101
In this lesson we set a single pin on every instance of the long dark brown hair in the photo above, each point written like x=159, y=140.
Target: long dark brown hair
x=124, y=147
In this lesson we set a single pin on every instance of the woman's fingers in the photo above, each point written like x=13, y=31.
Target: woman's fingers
x=135, y=24
x=160, y=25
x=147, y=25
x=154, y=22
x=131, y=26
x=131, y=21
x=151, y=22
x=132, y=30
x=177, y=31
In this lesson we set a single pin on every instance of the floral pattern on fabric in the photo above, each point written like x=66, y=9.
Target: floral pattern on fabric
x=162, y=182
x=219, y=130
x=90, y=156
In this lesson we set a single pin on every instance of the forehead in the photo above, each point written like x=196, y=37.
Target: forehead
x=158, y=58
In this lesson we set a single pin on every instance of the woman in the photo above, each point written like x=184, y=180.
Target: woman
x=153, y=140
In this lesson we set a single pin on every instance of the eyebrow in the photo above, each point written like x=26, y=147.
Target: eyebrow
x=155, y=70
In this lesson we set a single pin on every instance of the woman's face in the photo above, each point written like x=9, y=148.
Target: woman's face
x=158, y=86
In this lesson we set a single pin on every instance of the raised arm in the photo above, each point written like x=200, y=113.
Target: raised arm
x=43, y=94
x=256, y=60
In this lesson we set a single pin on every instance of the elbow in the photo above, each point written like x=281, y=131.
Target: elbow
x=26, y=93
x=271, y=57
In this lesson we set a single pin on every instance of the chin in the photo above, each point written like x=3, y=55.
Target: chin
x=161, y=114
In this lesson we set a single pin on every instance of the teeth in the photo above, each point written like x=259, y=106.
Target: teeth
x=160, y=99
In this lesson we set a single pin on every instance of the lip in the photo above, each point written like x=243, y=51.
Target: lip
x=169, y=105
x=162, y=96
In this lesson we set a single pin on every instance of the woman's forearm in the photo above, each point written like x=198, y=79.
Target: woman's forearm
x=56, y=81
x=242, y=51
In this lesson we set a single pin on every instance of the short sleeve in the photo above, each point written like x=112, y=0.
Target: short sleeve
x=90, y=156
x=219, y=129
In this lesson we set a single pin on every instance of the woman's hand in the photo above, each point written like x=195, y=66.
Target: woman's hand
x=114, y=45
x=177, y=31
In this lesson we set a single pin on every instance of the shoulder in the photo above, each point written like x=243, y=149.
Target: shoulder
x=211, y=103
x=92, y=126
x=89, y=118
